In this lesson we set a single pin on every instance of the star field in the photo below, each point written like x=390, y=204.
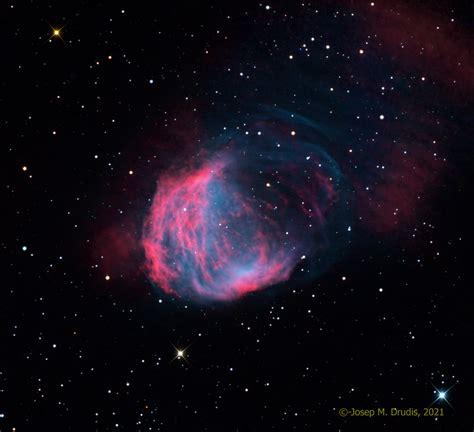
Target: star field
x=231, y=216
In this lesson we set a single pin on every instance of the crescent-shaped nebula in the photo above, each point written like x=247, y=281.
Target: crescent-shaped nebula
x=245, y=217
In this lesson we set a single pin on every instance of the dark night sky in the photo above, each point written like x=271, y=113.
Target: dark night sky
x=129, y=92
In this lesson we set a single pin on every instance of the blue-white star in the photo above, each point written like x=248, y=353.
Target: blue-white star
x=442, y=395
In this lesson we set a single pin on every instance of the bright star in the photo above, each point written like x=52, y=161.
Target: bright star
x=442, y=395
x=180, y=354
x=56, y=33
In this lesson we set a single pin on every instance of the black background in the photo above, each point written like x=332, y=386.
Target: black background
x=355, y=348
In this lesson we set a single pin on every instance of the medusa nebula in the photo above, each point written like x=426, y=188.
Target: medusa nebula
x=244, y=218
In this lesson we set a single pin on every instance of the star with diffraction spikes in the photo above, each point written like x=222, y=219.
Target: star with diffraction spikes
x=442, y=395
x=56, y=33
x=181, y=354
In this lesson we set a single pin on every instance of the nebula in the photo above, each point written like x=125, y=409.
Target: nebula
x=245, y=217
x=257, y=186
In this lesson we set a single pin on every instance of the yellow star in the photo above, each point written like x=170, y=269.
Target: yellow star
x=56, y=32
